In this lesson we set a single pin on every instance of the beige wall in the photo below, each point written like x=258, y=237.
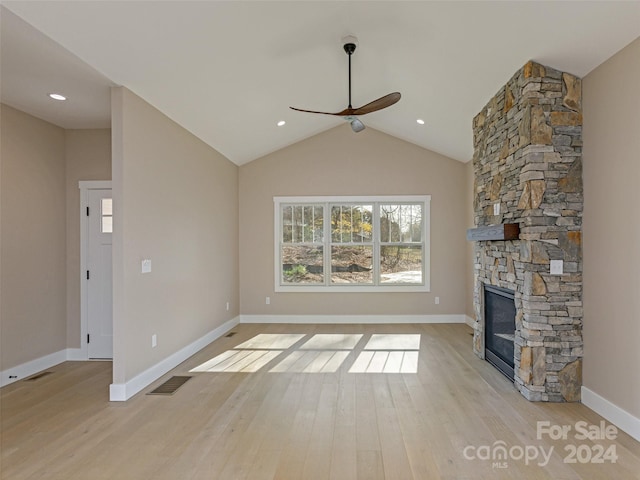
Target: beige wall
x=470, y=259
x=33, y=244
x=88, y=157
x=175, y=202
x=339, y=162
x=611, y=229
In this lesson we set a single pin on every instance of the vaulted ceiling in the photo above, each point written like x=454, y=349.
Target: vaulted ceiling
x=228, y=71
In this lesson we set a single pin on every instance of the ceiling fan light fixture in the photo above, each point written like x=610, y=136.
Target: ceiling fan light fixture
x=281, y=123
x=57, y=96
x=420, y=121
x=356, y=124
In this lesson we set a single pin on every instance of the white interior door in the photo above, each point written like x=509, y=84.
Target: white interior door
x=99, y=274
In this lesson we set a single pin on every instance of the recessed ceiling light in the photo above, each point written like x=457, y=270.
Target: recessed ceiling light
x=420, y=121
x=281, y=123
x=57, y=96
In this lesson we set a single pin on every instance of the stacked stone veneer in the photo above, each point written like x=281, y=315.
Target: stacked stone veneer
x=528, y=158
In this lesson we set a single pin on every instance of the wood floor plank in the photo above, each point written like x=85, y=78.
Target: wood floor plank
x=370, y=465
x=303, y=414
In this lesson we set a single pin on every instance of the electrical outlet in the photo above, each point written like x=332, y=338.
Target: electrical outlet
x=496, y=209
x=267, y=300
x=556, y=267
x=227, y=306
x=437, y=300
x=154, y=340
x=146, y=266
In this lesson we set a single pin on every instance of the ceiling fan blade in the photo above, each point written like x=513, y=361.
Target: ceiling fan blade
x=340, y=114
x=379, y=104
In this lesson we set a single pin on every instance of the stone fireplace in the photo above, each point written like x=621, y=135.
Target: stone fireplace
x=528, y=171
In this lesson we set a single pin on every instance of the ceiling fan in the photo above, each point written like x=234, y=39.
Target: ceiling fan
x=350, y=114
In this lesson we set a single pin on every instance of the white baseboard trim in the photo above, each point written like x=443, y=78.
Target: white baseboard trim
x=120, y=392
x=32, y=367
x=349, y=319
x=616, y=415
x=469, y=321
x=77, y=354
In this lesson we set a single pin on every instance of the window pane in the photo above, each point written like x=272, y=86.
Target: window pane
x=107, y=206
x=287, y=224
x=302, y=264
x=318, y=224
x=389, y=223
x=401, y=264
x=352, y=264
x=302, y=224
x=336, y=224
x=298, y=223
x=400, y=223
x=107, y=225
x=414, y=227
x=351, y=223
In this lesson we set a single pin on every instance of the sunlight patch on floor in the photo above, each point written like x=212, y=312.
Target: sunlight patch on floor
x=332, y=341
x=238, y=361
x=311, y=362
x=321, y=353
x=394, y=342
x=386, y=362
x=278, y=341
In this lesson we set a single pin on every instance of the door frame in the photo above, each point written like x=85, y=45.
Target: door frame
x=85, y=186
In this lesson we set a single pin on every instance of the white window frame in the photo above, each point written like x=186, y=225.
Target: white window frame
x=425, y=200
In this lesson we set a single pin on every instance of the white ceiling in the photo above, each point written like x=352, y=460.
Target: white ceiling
x=228, y=71
x=32, y=66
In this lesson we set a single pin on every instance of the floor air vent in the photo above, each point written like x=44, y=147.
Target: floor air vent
x=37, y=376
x=170, y=386
x=230, y=334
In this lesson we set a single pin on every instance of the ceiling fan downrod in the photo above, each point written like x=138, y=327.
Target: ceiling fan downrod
x=349, y=48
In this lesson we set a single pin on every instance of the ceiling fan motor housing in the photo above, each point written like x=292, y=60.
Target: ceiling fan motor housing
x=349, y=48
x=350, y=43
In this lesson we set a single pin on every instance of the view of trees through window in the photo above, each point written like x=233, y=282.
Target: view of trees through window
x=370, y=243
x=352, y=244
x=401, y=243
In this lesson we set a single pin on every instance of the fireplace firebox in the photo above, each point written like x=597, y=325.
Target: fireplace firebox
x=500, y=327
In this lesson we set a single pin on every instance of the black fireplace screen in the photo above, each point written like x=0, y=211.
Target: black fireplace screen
x=500, y=327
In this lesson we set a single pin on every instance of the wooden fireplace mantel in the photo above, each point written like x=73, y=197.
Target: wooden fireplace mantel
x=504, y=231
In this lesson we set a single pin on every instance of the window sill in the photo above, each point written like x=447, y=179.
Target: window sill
x=352, y=289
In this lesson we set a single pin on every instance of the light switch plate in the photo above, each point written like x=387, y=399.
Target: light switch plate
x=496, y=209
x=556, y=267
x=146, y=265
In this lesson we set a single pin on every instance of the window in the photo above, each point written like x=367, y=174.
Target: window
x=106, y=215
x=352, y=244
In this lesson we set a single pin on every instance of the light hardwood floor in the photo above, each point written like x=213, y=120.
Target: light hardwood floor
x=301, y=421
